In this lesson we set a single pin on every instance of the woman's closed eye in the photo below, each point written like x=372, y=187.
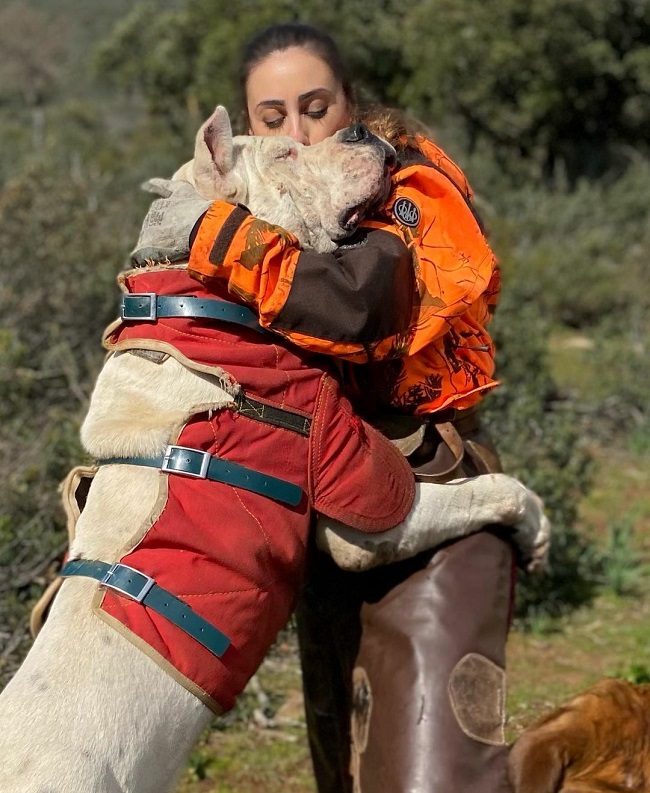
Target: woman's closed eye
x=274, y=123
x=317, y=114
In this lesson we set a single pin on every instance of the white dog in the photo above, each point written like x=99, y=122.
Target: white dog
x=292, y=186
x=318, y=193
x=88, y=710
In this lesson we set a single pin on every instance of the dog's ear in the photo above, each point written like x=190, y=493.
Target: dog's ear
x=537, y=761
x=214, y=141
x=214, y=161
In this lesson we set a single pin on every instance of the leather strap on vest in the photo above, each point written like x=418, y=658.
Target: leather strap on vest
x=202, y=465
x=268, y=414
x=453, y=445
x=149, y=307
x=137, y=586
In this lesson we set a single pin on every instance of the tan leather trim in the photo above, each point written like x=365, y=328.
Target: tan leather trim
x=141, y=533
x=72, y=501
x=39, y=610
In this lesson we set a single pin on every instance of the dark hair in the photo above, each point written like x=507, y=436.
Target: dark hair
x=283, y=36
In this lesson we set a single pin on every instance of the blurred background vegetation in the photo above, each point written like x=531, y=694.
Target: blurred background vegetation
x=546, y=104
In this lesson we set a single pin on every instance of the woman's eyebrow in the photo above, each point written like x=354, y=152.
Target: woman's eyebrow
x=302, y=98
x=314, y=92
x=271, y=103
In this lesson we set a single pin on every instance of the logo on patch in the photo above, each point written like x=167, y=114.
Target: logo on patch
x=406, y=212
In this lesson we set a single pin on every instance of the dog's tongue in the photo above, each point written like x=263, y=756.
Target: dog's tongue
x=354, y=218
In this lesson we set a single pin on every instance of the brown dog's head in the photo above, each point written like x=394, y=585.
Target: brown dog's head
x=597, y=742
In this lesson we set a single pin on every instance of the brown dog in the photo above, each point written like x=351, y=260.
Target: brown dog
x=598, y=742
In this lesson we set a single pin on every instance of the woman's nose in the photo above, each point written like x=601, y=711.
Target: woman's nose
x=297, y=130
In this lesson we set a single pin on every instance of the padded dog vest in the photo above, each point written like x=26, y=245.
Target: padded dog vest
x=231, y=553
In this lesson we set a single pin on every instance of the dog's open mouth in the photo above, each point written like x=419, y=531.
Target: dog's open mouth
x=351, y=218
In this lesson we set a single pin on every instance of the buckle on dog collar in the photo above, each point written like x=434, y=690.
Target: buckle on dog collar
x=139, y=307
x=186, y=461
x=127, y=581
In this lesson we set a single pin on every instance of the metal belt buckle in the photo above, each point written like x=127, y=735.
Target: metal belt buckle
x=115, y=570
x=186, y=461
x=140, y=306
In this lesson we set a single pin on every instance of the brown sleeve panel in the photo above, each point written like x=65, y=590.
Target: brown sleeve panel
x=362, y=293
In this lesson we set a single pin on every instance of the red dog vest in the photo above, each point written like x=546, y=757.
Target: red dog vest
x=236, y=556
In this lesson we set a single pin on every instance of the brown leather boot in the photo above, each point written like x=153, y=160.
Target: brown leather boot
x=428, y=675
x=429, y=681
x=328, y=617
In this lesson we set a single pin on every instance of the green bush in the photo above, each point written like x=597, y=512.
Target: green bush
x=538, y=436
x=621, y=563
x=62, y=239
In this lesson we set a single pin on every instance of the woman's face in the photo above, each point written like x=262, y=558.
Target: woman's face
x=294, y=92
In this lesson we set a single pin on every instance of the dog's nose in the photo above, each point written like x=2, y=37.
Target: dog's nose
x=357, y=133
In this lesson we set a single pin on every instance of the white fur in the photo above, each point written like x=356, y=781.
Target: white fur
x=87, y=710
x=444, y=512
x=136, y=402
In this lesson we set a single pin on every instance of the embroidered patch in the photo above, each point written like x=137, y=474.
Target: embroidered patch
x=407, y=212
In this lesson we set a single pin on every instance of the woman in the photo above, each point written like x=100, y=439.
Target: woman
x=405, y=662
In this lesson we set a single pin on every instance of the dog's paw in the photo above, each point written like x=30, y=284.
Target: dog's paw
x=532, y=532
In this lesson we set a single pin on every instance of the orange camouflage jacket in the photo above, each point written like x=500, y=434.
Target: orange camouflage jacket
x=409, y=295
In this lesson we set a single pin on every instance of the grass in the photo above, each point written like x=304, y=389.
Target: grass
x=245, y=757
x=609, y=639
x=570, y=364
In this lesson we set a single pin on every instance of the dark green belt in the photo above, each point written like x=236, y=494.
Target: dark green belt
x=149, y=307
x=202, y=465
x=142, y=589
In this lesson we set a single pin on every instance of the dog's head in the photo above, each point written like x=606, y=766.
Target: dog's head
x=320, y=193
